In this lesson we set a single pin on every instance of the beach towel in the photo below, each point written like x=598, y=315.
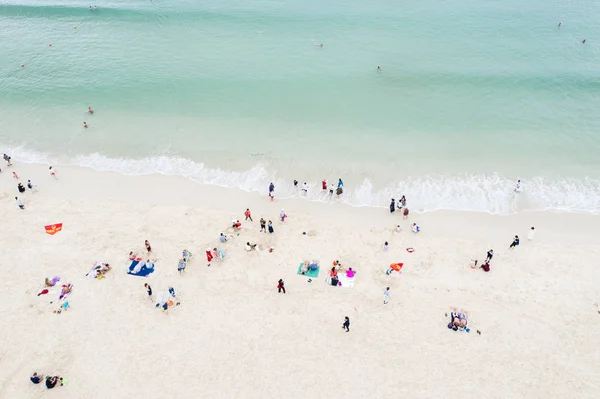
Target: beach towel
x=140, y=269
x=396, y=266
x=309, y=272
x=344, y=281
x=164, y=297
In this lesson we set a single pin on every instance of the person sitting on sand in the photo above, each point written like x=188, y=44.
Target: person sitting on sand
x=181, y=266
x=458, y=320
x=250, y=247
x=415, y=228
x=223, y=238
x=147, y=245
x=49, y=283
x=236, y=225
x=51, y=382
x=132, y=256
x=36, y=378
x=485, y=266
x=350, y=273
x=333, y=272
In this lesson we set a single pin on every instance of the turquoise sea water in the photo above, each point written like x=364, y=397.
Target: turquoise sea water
x=472, y=96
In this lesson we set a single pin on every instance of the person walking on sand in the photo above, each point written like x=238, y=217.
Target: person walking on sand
x=385, y=246
x=518, y=186
x=514, y=243
x=386, y=296
x=209, y=256
x=305, y=188
x=282, y=215
x=271, y=230
x=403, y=202
x=15, y=175
x=263, y=225
x=19, y=203
x=280, y=286
x=148, y=290
x=405, y=213
x=181, y=266
x=7, y=159
x=490, y=255
x=52, y=173
x=393, y=206
x=531, y=233
x=248, y=214
x=346, y=324
x=271, y=189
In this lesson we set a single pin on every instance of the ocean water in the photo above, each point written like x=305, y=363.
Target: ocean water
x=471, y=96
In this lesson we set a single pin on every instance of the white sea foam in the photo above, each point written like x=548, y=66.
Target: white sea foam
x=467, y=192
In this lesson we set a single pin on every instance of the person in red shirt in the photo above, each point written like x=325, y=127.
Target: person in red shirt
x=324, y=185
x=248, y=215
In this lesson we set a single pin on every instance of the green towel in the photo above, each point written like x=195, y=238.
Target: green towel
x=309, y=273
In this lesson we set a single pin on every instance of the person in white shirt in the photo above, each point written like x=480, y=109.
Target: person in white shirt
x=331, y=188
x=305, y=188
x=386, y=296
x=518, y=186
x=531, y=233
x=398, y=229
x=415, y=228
x=385, y=246
x=19, y=203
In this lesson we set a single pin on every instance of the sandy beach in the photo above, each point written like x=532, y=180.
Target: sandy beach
x=235, y=336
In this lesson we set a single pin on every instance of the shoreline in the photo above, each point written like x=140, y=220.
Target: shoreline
x=493, y=197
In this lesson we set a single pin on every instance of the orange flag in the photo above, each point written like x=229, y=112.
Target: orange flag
x=53, y=228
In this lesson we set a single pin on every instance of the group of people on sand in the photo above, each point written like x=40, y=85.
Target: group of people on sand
x=50, y=381
x=399, y=206
x=20, y=187
x=339, y=189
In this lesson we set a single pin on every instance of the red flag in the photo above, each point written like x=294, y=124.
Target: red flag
x=53, y=228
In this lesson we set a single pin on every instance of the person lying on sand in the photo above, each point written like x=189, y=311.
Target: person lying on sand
x=102, y=269
x=458, y=321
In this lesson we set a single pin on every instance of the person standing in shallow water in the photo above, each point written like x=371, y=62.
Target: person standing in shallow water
x=393, y=206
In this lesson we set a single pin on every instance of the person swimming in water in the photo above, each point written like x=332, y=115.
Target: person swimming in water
x=379, y=69
x=559, y=24
x=85, y=125
x=583, y=41
x=90, y=110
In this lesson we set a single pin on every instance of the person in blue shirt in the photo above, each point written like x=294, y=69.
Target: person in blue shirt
x=340, y=183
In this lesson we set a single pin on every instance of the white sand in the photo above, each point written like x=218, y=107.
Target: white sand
x=234, y=336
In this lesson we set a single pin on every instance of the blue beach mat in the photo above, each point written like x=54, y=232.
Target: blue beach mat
x=144, y=271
